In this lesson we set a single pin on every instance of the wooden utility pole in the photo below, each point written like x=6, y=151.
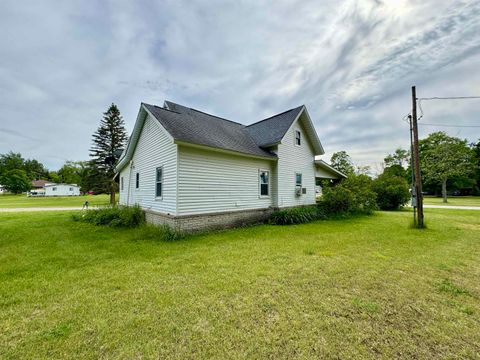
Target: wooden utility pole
x=416, y=161
x=414, y=197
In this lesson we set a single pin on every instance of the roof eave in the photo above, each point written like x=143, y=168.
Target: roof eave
x=316, y=143
x=330, y=167
x=132, y=141
x=225, y=151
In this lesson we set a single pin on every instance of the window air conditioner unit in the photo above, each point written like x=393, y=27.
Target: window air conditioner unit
x=298, y=191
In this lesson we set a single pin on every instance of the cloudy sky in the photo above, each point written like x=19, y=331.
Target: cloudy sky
x=352, y=63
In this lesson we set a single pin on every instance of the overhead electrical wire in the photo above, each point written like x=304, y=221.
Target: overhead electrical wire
x=444, y=98
x=448, y=125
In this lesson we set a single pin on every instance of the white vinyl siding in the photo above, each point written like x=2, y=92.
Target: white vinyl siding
x=211, y=181
x=293, y=159
x=155, y=148
x=62, y=190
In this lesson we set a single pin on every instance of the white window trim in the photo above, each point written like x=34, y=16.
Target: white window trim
x=260, y=196
x=156, y=182
x=295, y=138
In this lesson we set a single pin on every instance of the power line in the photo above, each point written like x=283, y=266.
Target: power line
x=448, y=125
x=443, y=98
x=450, y=98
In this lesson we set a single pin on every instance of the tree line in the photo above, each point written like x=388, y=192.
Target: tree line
x=449, y=165
x=94, y=175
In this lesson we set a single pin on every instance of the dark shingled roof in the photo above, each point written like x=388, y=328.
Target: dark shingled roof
x=196, y=127
x=270, y=131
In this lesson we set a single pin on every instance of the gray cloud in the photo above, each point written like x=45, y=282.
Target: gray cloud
x=351, y=62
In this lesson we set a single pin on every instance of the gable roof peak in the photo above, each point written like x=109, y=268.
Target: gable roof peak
x=274, y=116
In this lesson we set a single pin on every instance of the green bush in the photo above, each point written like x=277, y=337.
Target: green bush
x=116, y=216
x=353, y=195
x=392, y=192
x=298, y=215
x=336, y=200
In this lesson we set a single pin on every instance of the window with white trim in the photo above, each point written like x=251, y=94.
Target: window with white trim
x=264, y=180
x=298, y=137
x=159, y=182
x=137, y=180
x=54, y=189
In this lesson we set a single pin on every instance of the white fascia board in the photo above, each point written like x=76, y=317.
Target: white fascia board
x=329, y=167
x=132, y=141
x=317, y=142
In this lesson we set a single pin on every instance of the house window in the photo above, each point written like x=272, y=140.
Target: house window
x=264, y=178
x=298, y=179
x=137, y=180
x=121, y=183
x=54, y=189
x=298, y=138
x=70, y=189
x=159, y=182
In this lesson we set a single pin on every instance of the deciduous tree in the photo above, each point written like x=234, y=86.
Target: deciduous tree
x=16, y=181
x=443, y=157
x=342, y=162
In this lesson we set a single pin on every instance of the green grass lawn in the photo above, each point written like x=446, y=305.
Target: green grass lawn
x=366, y=287
x=22, y=201
x=453, y=200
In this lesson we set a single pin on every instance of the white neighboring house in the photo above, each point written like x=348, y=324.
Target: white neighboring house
x=2, y=190
x=195, y=171
x=62, y=190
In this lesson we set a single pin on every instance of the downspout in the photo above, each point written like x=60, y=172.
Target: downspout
x=129, y=182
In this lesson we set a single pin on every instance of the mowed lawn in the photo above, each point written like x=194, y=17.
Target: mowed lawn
x=366, y=287
x=453, y=200
x=23, y=201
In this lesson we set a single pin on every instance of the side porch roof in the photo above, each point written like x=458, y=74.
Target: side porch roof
x=326, y=171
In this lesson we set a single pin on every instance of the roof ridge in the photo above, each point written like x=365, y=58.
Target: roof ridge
x=218, y=117
x=161, y=108
x=205, y=113
x=271, y=117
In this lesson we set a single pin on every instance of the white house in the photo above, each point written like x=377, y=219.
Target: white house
x=62, y=190
x=194, y=170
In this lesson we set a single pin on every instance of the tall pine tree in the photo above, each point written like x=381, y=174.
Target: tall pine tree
x=108, y=141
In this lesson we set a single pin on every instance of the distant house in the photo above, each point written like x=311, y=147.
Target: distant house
x=62, y=190
x=52, y=189
x=2, y=190
x=194, y=170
